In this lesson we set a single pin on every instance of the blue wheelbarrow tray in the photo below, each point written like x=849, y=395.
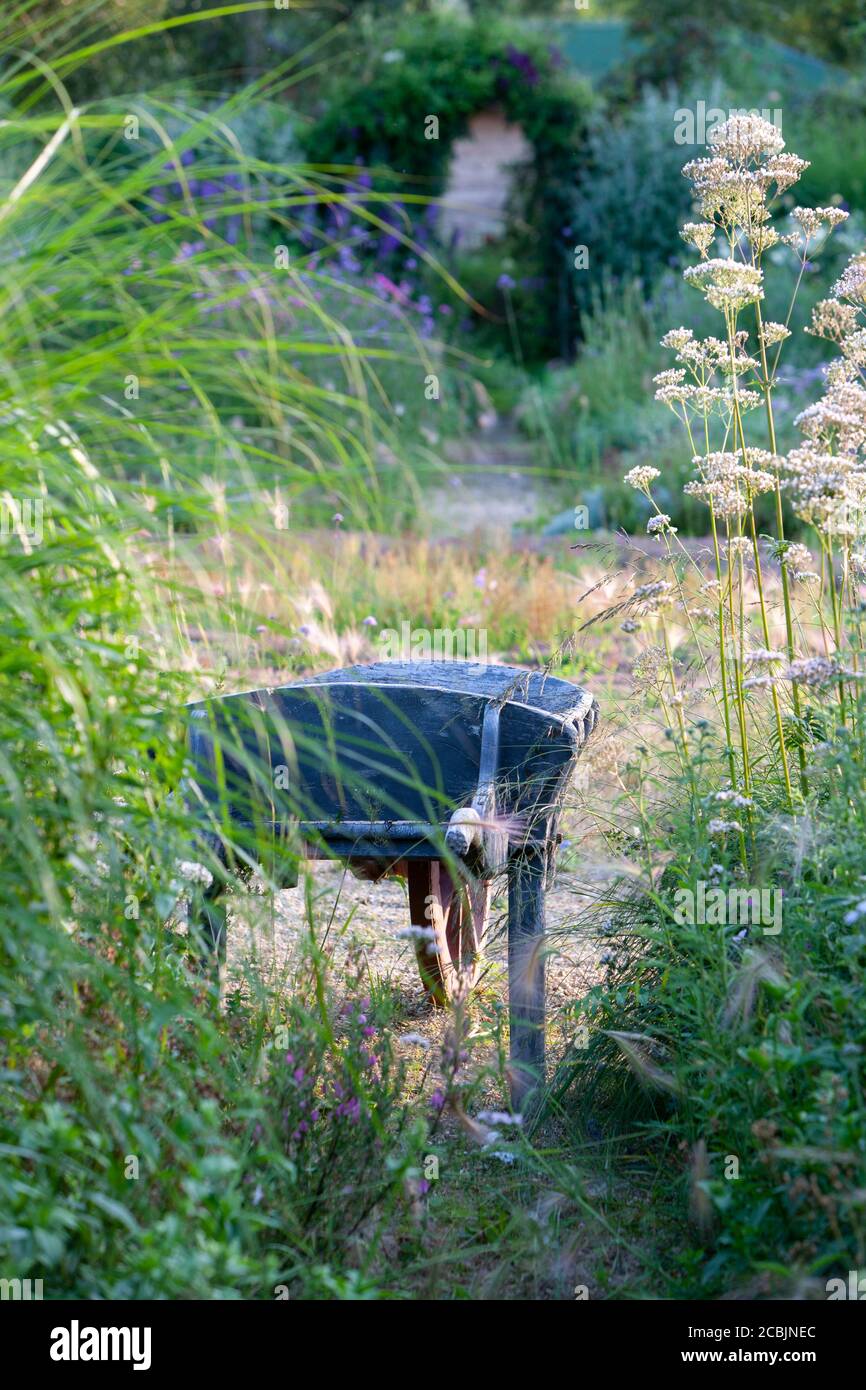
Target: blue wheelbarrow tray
x=445, y=773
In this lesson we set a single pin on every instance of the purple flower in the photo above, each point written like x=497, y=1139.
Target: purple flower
x=523, y=63
x=188, y=249
x=505, y=282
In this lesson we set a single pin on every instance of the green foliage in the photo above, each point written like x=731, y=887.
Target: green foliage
x=683, y=38
x=630, y=195
x=830, y=127
x=448, y=69
x=153, y=376
x=729, y=1027
x=759, y=1036
x=595, y=419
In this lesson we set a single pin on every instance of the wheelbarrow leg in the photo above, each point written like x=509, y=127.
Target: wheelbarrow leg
x=526, y=975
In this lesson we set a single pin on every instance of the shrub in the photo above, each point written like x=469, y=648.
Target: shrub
x=629, y=194
x=446, y=69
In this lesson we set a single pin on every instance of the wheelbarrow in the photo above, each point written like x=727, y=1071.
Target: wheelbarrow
x=444, y=773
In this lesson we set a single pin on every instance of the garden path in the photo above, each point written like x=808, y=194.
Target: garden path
x=496, y=486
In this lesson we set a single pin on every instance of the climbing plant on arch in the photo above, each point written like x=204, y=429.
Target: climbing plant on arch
x=399, y=112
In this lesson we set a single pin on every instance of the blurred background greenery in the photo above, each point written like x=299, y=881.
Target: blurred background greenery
x=583, y=254
x=513, y=318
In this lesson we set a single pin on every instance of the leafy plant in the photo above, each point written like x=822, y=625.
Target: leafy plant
x=741, y=1027
x=154, y=386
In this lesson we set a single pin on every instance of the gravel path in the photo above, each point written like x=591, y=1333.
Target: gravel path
x=357, y=914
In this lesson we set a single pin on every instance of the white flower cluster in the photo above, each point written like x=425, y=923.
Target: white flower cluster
x=650, y=597
x=762, y=657
x=699, y=234
x=724, y=827
x=735, y=182
x=746, y=169
x=744, y=138
x=826, y=476
x=833, y=320
x=649, y=668
x=727, y=284
x=774, y=333
x=729, y=797
x=693, y=384
x=641, y=477
x=852, y=282
x=827, y=484
x=192, y=872
x=814, y=220
x=798, y=561
x=727, y=483
x=813, y=670
x=420, y=935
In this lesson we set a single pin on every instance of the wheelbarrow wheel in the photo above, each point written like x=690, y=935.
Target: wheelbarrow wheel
x=458, y=917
